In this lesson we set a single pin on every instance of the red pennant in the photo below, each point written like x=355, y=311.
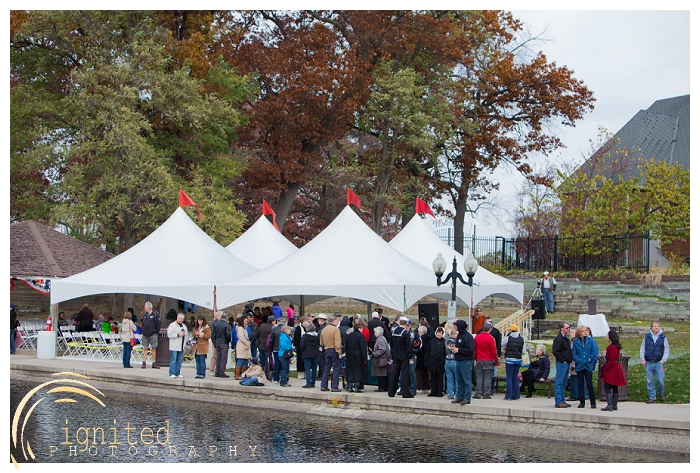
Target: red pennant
x=354, y=199
x=267, y=210
x=185, y=201
x=423, y=208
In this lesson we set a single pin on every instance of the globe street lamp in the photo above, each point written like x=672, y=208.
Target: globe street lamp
x=470, y=266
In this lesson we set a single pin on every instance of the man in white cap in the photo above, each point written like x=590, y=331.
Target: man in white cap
x=549, y=285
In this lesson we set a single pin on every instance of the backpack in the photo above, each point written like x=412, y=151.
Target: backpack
x=234, y=337
x=268, y=343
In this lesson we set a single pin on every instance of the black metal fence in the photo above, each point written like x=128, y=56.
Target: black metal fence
x=557, y=254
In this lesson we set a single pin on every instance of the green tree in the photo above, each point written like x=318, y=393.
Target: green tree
x=403, y=113
x=126, y=122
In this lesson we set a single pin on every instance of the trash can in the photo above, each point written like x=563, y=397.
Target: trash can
x=46, y=345
x=621, y=390
x=163, y=349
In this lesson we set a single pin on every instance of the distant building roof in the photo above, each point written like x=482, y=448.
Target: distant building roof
x=39, y=251
x=661, y=132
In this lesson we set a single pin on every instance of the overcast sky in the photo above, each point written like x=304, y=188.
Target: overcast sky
x=628, y=59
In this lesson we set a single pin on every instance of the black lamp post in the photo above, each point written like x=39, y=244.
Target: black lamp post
x=470, y=267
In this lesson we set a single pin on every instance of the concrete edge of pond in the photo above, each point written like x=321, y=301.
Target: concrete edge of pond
x=632, y=427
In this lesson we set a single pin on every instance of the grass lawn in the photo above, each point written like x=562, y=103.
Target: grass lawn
x=677, y=389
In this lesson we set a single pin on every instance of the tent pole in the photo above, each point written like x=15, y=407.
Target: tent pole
x=369, y=311
x=301, y=306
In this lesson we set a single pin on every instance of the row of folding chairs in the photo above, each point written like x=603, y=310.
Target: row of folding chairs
x=27, y=330
x=93, y=345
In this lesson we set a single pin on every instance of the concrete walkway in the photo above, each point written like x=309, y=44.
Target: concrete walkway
x=657, y=427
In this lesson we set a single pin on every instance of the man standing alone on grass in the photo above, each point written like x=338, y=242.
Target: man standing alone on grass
x=150, y=327
x=654, y=353
x=561, y=349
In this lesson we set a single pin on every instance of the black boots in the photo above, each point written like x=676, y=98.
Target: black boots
x=615, y=397
x=609, y=407
x=592, y=403
x=354, y=388
x=581, y=402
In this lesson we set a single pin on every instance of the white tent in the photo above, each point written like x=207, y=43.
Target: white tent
x=347, y=259
x=177, y=260
x=419, y=243
x=261, y=245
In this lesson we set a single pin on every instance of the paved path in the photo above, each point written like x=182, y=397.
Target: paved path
x=662, y=427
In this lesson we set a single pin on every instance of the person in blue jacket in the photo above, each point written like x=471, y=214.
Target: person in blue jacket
x=585, y=355
x=285, y=344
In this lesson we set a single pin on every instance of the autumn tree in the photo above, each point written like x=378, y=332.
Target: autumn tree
x=510, y=100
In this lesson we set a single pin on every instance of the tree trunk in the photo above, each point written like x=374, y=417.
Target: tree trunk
x=284, y=205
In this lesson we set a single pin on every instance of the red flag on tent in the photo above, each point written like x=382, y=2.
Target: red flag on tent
x=267, y=210
x=185, y=201
x=354, y=199
x=422, y=208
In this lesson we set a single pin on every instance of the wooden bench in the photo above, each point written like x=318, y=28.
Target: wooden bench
x=548, y=382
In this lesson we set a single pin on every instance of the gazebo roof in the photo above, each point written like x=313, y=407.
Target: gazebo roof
x=39, y=251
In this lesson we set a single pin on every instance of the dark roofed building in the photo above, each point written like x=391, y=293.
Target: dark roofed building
x=39, y=251
x=661, y=132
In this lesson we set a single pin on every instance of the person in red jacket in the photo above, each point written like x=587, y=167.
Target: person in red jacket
x=486, y=359
x=612, y=373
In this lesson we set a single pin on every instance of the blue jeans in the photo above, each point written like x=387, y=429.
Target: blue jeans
x=175, y=362
x=512, y=384
x=655, y=370
x=264, y=361
x=548, y=300
x=253, y=351
x=201, y=364
x=451, y=374
x=187, y=305
x=242, y=362
x=560, y=382
x=464, y=380
x=12, y=341
x=310, y=368
x=248, y=381
x=284, y=371
x=126, y=354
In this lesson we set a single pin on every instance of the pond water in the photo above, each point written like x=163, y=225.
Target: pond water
x=135, y=430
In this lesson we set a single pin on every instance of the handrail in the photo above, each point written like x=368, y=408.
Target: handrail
x=522, y=318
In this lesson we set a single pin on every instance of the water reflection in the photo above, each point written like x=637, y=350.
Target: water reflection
x=201, y=432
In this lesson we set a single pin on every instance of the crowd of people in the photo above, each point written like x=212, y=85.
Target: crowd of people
x=444, y=361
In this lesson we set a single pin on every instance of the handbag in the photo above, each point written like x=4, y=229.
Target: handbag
x=287, y=354
x=132, y=342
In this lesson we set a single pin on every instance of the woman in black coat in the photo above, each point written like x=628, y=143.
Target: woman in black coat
x=435, y=362
x=537, y=371
x=355, y=357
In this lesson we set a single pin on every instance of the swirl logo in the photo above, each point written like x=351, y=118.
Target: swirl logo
x=20, y=412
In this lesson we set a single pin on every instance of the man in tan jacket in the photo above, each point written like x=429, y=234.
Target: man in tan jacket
x=332, y=349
